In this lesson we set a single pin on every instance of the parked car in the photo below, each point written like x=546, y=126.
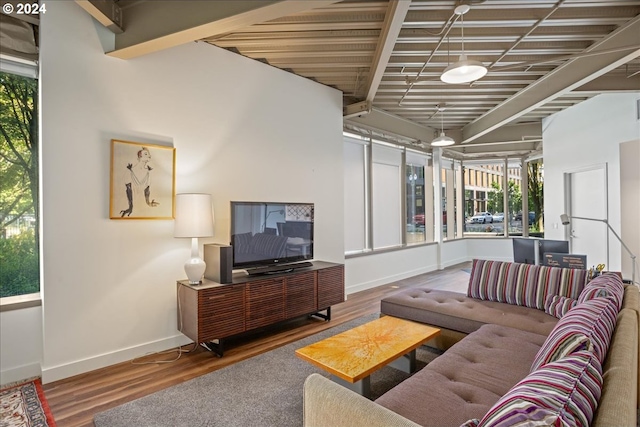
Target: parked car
x=482, y=218
x=418, y=219
x=532, y=217
x=498, y=217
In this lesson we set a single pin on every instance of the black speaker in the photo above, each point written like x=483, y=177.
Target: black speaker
x=219, y=260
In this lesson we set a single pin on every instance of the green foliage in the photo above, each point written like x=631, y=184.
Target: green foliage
x=19, y=264
x=18, y=147
x=19, y=271
x=536, y=194
x=495, y=198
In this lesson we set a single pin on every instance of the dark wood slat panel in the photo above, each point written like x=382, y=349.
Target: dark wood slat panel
x=74, y=401
x=265, y=303
x=330, y=286
x=220, y=312
x=301, y=294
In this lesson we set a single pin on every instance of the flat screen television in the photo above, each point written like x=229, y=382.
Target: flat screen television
x=553, y=246
x=531, y=251
x=270, y=234
x=524, y=250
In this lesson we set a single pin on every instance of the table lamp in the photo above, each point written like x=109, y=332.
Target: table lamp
x=194, y=218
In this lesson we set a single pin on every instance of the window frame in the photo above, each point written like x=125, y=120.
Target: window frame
x=30, y=69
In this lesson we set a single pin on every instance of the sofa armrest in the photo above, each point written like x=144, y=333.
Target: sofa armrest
x=327, y=404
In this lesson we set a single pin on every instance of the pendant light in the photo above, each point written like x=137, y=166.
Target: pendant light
x=442, y=140
x=465, y=70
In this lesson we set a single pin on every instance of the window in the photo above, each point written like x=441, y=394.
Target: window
x=355, y=195
x=489, y=195
x=19, y=171
x=418, y=217
x=388, y=195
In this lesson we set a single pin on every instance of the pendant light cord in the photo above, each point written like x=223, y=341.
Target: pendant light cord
x=462, y=31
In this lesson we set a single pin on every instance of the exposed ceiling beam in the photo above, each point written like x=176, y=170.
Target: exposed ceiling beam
x=157, y=25
x=496, y=150
x=562, y=80
x=396, y=13
x=379, y=119
x=609, y=83
x=522, y=132
x=106, y=12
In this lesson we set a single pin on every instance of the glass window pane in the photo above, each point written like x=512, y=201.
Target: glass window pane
x=354, y=197
x=19, y=239
x=386, y=217
x=415, y=193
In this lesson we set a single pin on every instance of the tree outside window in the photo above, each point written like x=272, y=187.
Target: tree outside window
x=19, y=207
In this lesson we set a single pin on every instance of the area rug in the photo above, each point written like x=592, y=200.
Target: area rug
x=25, y=405
x=265, y=390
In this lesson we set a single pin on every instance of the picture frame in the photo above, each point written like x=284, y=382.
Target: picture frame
x=142, y=181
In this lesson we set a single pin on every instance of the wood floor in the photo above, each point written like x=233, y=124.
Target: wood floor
x=74, y=401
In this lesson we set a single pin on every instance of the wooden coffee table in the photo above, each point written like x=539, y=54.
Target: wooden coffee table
x=352, y=356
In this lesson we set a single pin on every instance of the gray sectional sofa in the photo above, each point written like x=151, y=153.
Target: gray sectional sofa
x=518, y=327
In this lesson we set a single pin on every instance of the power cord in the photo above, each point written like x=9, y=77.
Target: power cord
x=179, y=349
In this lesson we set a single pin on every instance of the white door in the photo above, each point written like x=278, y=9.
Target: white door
x=587, y=197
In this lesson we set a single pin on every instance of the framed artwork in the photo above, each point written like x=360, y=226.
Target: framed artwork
x=142, y=181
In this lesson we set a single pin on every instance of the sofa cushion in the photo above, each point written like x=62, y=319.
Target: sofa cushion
x=562, y=393
x=457, y=312
x=467, y=379
x=587, y=326
x=568, y=282
x=523, y=284
x=607, y=285
x=508, y=282
x=616, y=406
x=558, y=306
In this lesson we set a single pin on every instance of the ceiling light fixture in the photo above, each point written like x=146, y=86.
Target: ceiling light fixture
x=465, y=70
x=443, y=140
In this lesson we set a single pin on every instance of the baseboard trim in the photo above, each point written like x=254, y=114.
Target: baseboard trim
x=388, y=279
x=66, y=370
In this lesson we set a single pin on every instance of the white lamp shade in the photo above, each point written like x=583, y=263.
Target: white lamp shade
x=194, y=215
x=442, y=141
x=463, y=71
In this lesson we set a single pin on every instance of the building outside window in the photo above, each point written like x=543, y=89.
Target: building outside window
x=417, y=218
x=484, y=194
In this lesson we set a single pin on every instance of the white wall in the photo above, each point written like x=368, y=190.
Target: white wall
x=630, y=201
x=243, y=131
x=587, y=134
x=20, y=344
x=496, y=248
x=375, y=269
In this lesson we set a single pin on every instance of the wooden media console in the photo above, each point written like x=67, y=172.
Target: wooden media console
x=210, y=311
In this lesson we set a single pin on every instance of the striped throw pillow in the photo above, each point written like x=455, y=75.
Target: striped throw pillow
x=563, y=393
x=587, y=326
x=523, y=284
x=507, y=282
x=567, y=282
x=607, y=285
x=558, y=306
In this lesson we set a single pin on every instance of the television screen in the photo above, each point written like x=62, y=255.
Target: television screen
x=264, y=234
x=555, y=246
x=524, y=250
x=531, y=251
